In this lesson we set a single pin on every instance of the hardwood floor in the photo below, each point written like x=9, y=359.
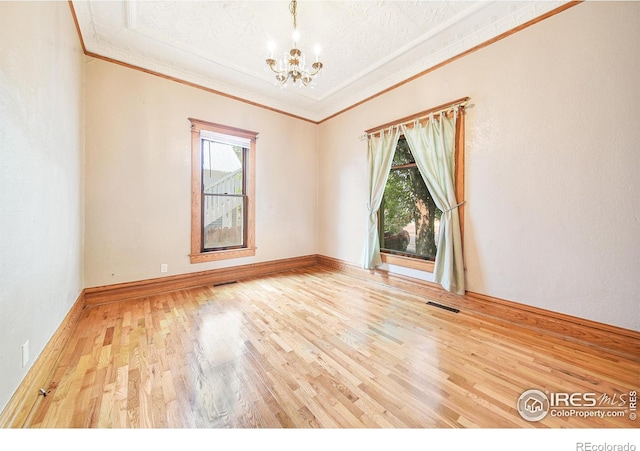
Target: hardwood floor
x=316, y=348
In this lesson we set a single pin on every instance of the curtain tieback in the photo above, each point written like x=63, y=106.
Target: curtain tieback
x=455, y=206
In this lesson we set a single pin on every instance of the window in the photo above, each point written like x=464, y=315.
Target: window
x=409, y=218
x=222, y=192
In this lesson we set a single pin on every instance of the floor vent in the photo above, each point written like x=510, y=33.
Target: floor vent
x=225, y=283
x=444, y=307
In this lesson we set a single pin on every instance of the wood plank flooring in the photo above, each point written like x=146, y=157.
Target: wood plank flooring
x=315, y=348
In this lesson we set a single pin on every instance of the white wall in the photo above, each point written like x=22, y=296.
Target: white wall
x=551, y=163
x=41, y=151
x=138, y=175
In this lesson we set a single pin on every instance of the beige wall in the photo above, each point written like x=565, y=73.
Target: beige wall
x=551, y=182
x=138, y=169
x=552, y=161
x=41, y=142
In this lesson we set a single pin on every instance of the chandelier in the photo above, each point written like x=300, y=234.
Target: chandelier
x=293, y=66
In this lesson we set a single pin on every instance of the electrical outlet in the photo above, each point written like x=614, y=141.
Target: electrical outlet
x=25, y=353
x=163, y=267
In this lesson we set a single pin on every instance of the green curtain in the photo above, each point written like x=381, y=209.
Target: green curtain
x=379, y=157
x=433, y=148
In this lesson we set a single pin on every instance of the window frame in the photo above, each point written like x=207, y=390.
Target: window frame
x=198, y=254
x=419, y=263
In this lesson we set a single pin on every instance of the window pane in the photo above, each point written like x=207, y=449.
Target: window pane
x=222, y=168
x=223, y=221
x=223, y=200
x=403, y=154
x=410, y=219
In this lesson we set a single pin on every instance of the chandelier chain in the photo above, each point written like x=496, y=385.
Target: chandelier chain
x=293, y=9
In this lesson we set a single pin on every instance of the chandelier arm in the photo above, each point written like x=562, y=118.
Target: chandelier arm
x=271, y=63
x=317, y=66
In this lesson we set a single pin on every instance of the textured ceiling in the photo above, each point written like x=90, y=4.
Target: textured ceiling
x=367, y=46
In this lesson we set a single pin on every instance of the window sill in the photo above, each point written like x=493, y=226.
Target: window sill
x=222, y=255
x=408, y=262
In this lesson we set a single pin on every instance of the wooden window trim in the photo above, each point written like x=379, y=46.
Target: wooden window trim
x=197, y=255
x=428, y=265
x=407, y=262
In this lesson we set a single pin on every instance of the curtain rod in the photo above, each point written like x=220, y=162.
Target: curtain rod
x=413, y=117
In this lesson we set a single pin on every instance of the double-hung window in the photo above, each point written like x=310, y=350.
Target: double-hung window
x=222, y=192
